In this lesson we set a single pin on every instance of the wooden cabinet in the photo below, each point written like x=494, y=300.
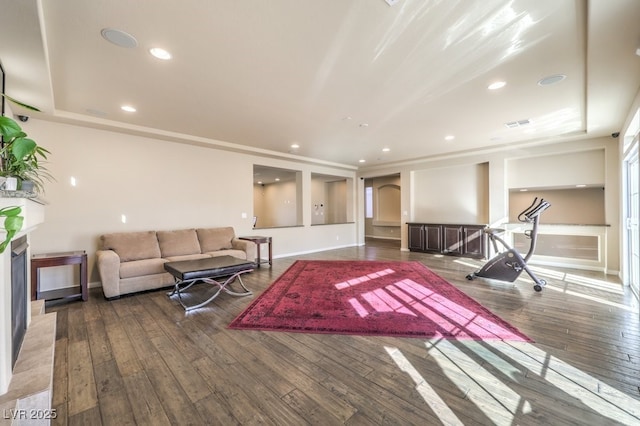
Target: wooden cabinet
x=416, y=237
x=433, y=238
x=452, y=239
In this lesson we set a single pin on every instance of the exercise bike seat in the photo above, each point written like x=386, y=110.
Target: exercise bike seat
x=493, y=231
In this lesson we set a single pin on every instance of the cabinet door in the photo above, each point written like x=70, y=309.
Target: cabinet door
x=474, y=241
x=433, y=237
x=416, y=237
x=453, y=242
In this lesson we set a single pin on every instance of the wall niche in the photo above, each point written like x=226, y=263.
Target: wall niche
x=276, y=197
x=569, y=206
x=331, y=199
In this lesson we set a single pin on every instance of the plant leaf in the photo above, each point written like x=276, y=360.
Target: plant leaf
x=12, y=224
x=22, y=104
x=22, y=147
x=9, y=128
x=10, y=211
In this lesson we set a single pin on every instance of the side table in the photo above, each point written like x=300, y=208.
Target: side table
x=46, y=260
x=258, y=240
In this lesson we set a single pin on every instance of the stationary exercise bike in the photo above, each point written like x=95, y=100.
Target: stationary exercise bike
x=509, y=264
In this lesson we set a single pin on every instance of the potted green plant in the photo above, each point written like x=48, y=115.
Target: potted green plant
x=20, y=156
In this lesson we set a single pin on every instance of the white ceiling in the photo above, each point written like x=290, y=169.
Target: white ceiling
x=341, y=78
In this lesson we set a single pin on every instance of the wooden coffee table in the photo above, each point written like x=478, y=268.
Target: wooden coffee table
x=187, y=272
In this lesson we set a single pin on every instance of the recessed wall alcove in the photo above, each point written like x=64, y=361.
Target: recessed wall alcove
x=331, y=199
x=276, y=197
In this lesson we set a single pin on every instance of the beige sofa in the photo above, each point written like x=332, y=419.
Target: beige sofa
x=130, y=262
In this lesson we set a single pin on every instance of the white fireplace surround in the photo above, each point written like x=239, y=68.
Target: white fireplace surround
x=33, y=213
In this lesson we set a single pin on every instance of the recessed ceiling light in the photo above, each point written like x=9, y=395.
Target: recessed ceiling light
x=362, y=161
x=552, y=79
x=277, y=179
x=523, y=190
x=497, y=85
x=581, y=185
x=119, y=38
x=449, y=138
x=295, y=146
x=386, y=149
x=128, y=108
x=160, y=53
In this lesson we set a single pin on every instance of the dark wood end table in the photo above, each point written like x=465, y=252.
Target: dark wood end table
x=46, y=260
x=259, y=240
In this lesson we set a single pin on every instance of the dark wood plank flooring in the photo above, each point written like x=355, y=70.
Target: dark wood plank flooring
x=142, y=360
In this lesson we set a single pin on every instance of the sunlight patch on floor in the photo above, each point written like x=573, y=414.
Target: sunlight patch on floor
x=363, y=279
x=430, y=396
x=595, y=394
x=496, y=399
x=594, y=283
x=472, y=266
x=488, y=373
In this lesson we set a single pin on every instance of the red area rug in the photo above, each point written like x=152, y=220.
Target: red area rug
x=402, y=299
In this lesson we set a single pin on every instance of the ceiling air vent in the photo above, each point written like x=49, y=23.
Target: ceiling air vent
x=519, y=123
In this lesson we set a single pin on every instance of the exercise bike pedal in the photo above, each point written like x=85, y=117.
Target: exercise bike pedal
x=471, y=277
x=515, y=266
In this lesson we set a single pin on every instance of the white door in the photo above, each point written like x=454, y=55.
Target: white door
x=632, y=257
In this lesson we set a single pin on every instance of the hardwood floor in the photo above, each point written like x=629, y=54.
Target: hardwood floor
x=142, y=360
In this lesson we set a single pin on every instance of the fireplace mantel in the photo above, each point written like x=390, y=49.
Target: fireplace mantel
x=33, y=213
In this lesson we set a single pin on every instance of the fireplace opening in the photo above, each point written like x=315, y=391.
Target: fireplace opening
x=18, y=295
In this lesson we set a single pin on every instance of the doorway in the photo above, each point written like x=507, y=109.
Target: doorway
x=382, y=210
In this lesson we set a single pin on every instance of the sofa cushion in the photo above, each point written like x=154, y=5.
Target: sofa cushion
x=137, y=268
x=132, y=245
x=186, y=257
x=178, y=243
x=240, y=254
x=214, y=239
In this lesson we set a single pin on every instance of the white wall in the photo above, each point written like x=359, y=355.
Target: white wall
x=165, y=185
x=547, y=171
x=275, y=204
x=318, y=201
x=455, y=194
x=158, y=185
x=336, y=205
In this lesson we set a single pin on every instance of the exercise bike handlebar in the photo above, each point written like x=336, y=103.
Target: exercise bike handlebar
x=534, y=210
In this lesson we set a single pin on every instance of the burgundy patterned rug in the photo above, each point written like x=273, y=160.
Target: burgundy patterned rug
x=374, y=298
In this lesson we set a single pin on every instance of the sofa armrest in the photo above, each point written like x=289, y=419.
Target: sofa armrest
x=247, y=246
x=108, y=263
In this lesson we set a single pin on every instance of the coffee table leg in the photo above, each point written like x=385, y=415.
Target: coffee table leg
x=221, y=286
x=177, y=289
x=229, y=280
